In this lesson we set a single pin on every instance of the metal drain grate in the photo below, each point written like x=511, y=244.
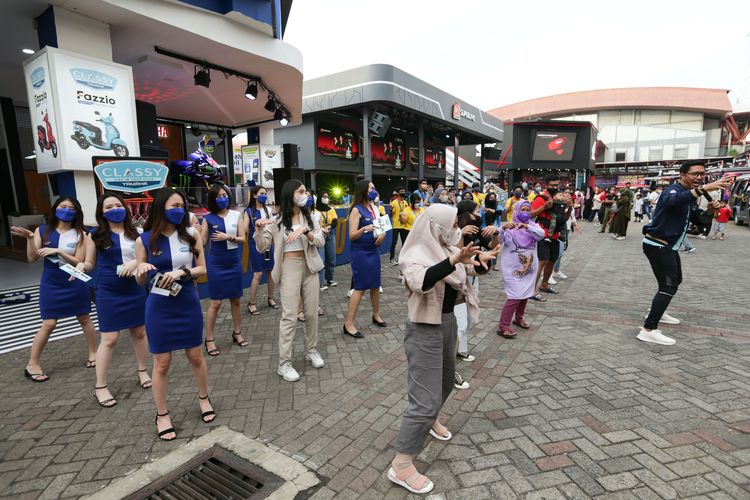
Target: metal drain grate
x=214, y=474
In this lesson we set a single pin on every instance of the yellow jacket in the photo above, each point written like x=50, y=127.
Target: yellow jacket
x=397, y=207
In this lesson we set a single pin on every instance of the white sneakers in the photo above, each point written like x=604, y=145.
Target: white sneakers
x=552, y=280
x=287, y=371
x=620, y=238
x=315, y=359
x=559, y=275
x=655, y=337
x=666, y=318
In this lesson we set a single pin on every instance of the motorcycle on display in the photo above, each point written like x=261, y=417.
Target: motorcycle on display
x=198, y=171
x=87, y=134
x=45, y=138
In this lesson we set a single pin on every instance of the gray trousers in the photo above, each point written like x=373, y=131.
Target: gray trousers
x=431, y=362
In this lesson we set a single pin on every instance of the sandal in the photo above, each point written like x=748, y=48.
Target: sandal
x=147, y=383
x=208, y=413
x=243, y=343
x=538, y=297
x=272, y=304
x=506, y=333
x=442, y=437
x=427, y=485
x=252, y=308
x=106, y=402
x=91, y=363
x=163, y=433
x=548, y=290
x=35, y=377
x=301, y=317
x=213, y=352
x=521, y=324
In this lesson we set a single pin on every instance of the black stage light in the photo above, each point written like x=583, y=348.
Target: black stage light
x=270, y=105
x=282, y=116
x=251, y=92
x=202, y=78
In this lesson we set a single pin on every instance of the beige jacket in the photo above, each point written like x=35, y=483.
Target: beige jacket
x=427, y=307
x=272, y=235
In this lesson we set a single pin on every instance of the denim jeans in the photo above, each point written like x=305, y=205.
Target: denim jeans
x=328, y=254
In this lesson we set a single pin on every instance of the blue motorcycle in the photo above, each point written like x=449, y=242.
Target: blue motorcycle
x=87, y=134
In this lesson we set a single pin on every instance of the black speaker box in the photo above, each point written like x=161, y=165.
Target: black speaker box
x=379, y=124
x=145, y=114
x=291, y=158
x=492, y=153
x=281, y=175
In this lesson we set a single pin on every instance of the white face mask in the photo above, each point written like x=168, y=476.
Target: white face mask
x=300, y=200
x=449, y=237
x=324, y=201
x=443, y=199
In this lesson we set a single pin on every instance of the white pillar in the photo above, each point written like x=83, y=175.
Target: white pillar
x=84, y=35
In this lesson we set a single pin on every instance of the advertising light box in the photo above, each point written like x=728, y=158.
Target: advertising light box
x=270, y=159
x=80, y=107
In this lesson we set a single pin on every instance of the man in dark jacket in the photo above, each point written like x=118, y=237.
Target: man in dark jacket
x=665, y=233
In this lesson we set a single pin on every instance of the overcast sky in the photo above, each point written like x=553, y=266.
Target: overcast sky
x=492, y=52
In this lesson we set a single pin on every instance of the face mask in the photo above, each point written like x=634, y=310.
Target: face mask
x=175, y=215
x=222, y=202
x=65, y=214
x=538, y=189
x=552, y=191
x=372, y=195
x=262, y=199
x=309, y=202
x=443, y=199
x=116, y=215
x=524, y=217
x=300, y=200
x=402, y=195
x=517, y=194
x=324, y=201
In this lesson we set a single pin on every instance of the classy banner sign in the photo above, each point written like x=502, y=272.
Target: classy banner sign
x=81, y=107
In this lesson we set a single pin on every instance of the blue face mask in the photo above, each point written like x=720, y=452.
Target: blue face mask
x=309, y=203
x=222, y=202
x=175, y=215
x=65, y=214
x=262, y=199
x=372, y=195
x=116, y=215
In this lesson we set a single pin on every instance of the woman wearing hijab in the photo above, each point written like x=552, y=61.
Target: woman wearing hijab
x=436, y=278
x=519, y=266
x=440, y=196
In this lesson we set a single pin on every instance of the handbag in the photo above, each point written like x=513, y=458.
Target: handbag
x=614, y=208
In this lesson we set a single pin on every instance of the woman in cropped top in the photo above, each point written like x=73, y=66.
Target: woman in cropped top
x=295, y=238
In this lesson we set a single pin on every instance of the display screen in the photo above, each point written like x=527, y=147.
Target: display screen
x=338, y=142
x=434, y=156
x=553, y=145
x=388, y=151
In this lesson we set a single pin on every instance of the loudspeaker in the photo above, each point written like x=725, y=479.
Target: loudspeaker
x=291, y=158
x=379, y=124
x=145, y=114
x=281, y=175
x=492, y=153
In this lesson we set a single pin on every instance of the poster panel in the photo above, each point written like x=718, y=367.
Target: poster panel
x=270, y=159
x=43, y=116
x=250, y=163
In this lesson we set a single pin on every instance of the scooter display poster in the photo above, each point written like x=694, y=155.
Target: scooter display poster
x=43, y=117
x=90, y=106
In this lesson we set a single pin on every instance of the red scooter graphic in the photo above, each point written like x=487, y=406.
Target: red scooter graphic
x=45, y=138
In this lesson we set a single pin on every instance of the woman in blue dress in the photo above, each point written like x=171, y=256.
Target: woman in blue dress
x=365, y=256
x=59, y=242
x=168, y=250
x=260, y=262
x=221, y=233
x=120, y=301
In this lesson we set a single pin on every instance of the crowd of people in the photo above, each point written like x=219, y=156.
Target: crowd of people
x=146, y=276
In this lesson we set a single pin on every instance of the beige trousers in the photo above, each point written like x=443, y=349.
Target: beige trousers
x=297, y=282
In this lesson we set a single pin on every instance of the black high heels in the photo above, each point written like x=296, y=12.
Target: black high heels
x=381, y=324
x=356, y=335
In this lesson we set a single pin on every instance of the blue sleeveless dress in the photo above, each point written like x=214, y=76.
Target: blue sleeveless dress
x=258, y=262
x=58, y=296
x=172, y=323
x=223, y=258
x=120, y=302
x=365, y=256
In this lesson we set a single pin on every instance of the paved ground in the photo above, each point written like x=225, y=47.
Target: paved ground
x=575, y=408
